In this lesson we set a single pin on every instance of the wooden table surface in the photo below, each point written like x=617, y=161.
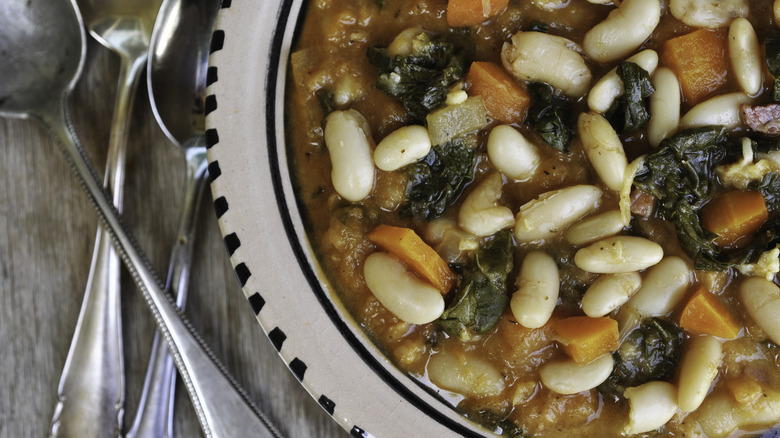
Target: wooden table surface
x=47, y=230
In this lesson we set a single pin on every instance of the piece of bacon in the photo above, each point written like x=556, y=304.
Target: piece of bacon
x=642, y=203
x=762, y=118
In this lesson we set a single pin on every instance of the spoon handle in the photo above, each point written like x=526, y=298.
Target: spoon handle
x=154, y=418
x=223, y=409
x=88, y=406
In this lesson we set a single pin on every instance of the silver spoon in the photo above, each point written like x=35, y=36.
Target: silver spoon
x=39, y=72
x=87, y=406
x=176, y=80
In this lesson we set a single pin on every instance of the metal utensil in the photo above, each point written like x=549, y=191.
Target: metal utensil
x=88, y=406
x=39, y=72
x=176, y=80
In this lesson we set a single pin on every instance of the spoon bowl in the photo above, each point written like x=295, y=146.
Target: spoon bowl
x=43, y=47
x=176, y=81
x=177, y=69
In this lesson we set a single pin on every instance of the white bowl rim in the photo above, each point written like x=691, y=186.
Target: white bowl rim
x=244, y=107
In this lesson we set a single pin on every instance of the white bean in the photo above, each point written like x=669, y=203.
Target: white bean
x=663, y=287
x=553, y=211
x=761, y=299
x=456, y=97
x=541, y=57
x=623, y=31
x=603, y=148
x=568, y=377
x=652, y=405
x=745, y=55
x=609, y=292
x=348, y=139
x=465, y=374
x=776, y=12
x=664, y=106
x=402, y=292
x=405, y=43
x=511, y=153
x=437, y=229
x=698, y=370
x=551, y=5
x=619, y=254
x=402, y=147
x=721, y=415
x=594, y=228
x=610, y=86
x=710, y=14
x=719, y=110
x=538, y=284
x=456, y=244
x=480, y=213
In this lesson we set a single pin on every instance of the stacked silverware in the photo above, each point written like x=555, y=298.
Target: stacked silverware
x=38, y=77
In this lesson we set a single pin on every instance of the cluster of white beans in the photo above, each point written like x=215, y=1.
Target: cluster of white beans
x=601, y=248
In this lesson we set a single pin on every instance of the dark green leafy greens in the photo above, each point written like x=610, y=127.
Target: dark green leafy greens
x=773, y=64
x=326, y=99
x=769, y=186
x=629, y=112
x=769, y=235
x=539, y=26
x=422, y=79
x=437, y=180
x=502, y=425
x=679, y=175
x=481, y=297
x=574, y=281
x=649, y=352
x=550, y=116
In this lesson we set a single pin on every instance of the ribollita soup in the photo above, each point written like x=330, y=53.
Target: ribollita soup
x=562, y=216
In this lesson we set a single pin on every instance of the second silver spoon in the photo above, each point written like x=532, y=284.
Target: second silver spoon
x=176, y=80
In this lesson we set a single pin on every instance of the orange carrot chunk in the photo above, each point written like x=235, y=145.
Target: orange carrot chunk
x=735, y=217
x=704, y=314
x=462, y=13
x=405, y=244
x=586, y=339
x=505, y=100
x=699, y=59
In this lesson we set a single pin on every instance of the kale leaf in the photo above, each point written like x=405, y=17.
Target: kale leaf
x=422, y=79
x=773, y=64
x=650, y=352
x=679, y=175
x=681, y=167
x=629, y=112
x=437, y=180
x=549, y=116
x=573, y=280
x=769, y=186
x=539, y=26
x=482, y=296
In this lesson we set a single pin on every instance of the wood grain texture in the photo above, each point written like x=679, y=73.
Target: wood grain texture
x=47, y=229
